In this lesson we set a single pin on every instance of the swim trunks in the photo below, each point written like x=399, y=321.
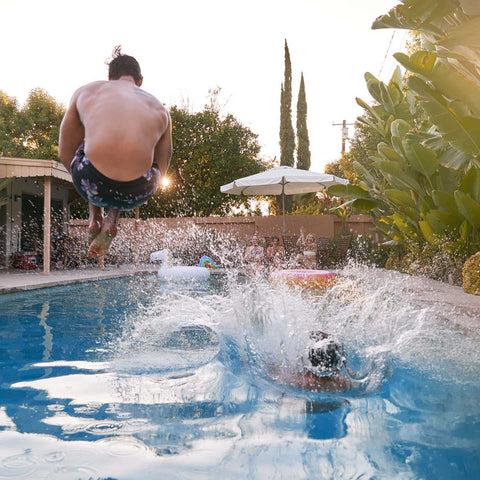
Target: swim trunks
x=102, y=191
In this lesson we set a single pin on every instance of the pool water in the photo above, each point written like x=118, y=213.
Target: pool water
x=133, y=378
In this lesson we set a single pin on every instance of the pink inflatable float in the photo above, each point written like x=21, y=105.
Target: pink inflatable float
x=304, y=278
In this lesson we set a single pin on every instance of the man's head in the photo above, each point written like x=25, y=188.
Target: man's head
x=325, y=355
x=124, y=65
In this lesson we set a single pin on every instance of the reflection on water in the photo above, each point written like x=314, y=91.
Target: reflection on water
x=131, y=378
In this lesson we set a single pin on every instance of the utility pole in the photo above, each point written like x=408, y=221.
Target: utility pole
x=344, y=133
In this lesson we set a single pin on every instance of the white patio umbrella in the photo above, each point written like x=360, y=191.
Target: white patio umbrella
x=282, y=181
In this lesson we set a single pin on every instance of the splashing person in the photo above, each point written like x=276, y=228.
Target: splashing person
x=116, y=140
x=324, y=371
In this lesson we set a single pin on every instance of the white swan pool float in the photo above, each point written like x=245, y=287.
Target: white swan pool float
x=168, y=272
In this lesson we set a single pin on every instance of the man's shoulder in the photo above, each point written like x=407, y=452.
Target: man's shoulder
x=89, y=87
x=152, y=98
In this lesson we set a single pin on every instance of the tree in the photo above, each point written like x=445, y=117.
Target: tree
x=10, y=143
x=32, y=131
x=40, y=121
x=287, y=135
x=303, y=143
x=208, y=151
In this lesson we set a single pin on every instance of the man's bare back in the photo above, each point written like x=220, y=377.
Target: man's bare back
x=122, y=127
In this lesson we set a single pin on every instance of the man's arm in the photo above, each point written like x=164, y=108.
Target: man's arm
x=72, y=133
x=163, y=149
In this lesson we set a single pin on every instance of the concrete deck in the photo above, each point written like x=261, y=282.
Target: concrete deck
x=18, y=280
x=460, y=309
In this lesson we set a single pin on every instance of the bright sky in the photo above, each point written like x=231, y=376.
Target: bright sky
x=186, y=47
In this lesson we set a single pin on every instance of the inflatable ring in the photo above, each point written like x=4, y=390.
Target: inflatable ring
x=314, y=279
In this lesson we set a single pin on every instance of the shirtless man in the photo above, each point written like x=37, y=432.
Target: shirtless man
x=116, y=140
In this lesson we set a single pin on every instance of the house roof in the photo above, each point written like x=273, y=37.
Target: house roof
x=31, y=167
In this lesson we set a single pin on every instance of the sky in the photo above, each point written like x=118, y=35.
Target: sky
x=187, y=47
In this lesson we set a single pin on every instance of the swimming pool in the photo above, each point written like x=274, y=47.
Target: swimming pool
x=103, y=380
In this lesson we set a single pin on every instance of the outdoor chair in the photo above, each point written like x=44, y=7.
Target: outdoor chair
x=343, y=243
x=323, y=252
x=268, y=241
x=290, y=244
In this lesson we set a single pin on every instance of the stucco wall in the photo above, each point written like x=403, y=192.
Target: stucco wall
x=136, y=239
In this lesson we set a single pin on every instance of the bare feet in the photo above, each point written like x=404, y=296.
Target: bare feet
x=104, y=238
x=94, y=222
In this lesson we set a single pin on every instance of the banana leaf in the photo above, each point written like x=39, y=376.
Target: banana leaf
x=388, y=153
x=470, y=183
x=358, y=203
x=400, y=128
x=466, y=33
x=363, y=173
x=443, y=223
x=397, y=79
x=453, y=158
x=398, y=175
x=422, y=159
x=348, y=191
x=404, y=226
x=396, y=19
x=401, y=197
x=448, y=123
x=448, y=81
x=469, y=208
x=445, y=201
x=428, y=233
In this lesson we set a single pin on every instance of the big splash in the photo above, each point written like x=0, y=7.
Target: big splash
x=176, y=381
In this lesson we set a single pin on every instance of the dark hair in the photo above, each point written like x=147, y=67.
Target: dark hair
x=327, y=355
x=123, y=65
x=275, y=238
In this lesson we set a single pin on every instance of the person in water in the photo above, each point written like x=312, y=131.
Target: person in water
x=326, y=360
x=116, y=140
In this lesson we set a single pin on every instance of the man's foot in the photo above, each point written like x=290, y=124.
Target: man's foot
x=103, y=239
x=94, y=223
x=93, y=231
x=100, y=243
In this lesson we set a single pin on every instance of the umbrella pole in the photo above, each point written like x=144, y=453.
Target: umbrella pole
x=283, y=209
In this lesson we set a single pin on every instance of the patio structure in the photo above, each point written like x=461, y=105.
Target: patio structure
x=35, y=207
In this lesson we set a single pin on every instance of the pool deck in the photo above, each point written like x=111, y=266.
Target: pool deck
x=461, y=309
x=19, y=280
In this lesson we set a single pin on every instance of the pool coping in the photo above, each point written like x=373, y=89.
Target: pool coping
x=17, y=281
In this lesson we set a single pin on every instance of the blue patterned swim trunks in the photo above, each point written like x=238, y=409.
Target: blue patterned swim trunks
x=102, y=191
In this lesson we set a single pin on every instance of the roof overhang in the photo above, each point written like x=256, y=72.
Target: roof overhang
x=32, y=167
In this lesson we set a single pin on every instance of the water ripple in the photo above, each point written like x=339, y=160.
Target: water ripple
x=20, y=465
x=122, y=446
x=76, y=472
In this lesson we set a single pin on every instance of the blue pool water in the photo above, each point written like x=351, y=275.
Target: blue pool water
x=133, y=378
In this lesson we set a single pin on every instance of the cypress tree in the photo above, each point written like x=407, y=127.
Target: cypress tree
x=303, y=143
x=287, y=135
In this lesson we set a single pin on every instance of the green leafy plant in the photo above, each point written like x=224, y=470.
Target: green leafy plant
x=422, y=184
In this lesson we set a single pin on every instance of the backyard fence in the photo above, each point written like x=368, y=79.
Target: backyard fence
x=189, y=238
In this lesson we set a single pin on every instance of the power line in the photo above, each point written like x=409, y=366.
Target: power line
x=386, y=53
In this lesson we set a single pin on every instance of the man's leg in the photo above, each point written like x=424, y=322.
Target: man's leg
x=95, y=219
x=107, y=233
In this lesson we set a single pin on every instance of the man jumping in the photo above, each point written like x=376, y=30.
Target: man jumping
x=116, y=140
